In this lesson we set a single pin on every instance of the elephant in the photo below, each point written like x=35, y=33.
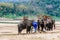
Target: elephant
x=25, y=25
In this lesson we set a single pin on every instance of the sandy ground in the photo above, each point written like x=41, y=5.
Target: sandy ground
x=9, y=32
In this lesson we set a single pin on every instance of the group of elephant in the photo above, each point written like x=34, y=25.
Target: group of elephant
x=28, y=25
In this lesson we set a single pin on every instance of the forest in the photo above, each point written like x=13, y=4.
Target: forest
x=30, y=8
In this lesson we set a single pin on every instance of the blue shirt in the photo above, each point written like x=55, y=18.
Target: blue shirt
x=35, y=24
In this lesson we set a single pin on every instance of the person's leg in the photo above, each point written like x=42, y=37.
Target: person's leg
x=38, y=28
x=35, y=29
x=42, y=26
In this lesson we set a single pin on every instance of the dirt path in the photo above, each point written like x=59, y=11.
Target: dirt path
x=5, y=29
x=36, y=36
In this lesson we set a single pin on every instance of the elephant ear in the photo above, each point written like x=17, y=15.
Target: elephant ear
x=29, y=23
x=20, y=23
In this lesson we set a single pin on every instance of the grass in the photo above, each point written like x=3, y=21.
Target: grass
x=30, y=16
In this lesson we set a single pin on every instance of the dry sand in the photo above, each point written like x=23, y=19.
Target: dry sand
x=9, y=32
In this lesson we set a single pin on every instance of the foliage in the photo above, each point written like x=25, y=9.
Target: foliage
x=32, y=7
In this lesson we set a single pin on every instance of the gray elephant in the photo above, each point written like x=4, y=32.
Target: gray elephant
x=25, y=25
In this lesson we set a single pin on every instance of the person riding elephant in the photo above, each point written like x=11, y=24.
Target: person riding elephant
x=26, y=24
x=23, y=24
x=49, y=23
x=43, y=23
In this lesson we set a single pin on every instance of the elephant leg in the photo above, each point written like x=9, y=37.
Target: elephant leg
x=42, y=27
x=28, y=29
x=19, y=30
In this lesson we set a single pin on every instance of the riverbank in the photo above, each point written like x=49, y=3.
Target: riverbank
x=10, y=32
